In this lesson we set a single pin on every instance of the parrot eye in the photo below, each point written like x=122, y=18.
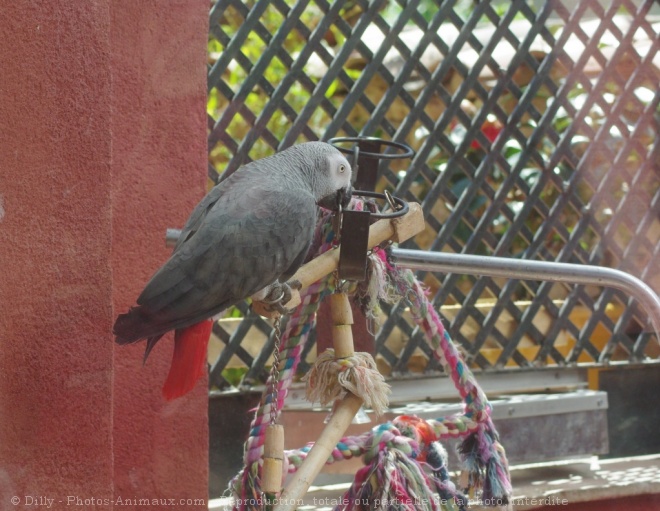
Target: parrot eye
x=342, y=168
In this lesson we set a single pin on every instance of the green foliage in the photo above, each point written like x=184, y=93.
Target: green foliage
x=254, y=101
x=234, y=375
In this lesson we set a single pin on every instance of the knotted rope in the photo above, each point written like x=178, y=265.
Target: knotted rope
x=402, y=473
x=330, y=378
x=482, y=454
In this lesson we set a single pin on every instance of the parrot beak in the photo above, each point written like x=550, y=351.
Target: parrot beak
x=344, y=196
x=341, y=198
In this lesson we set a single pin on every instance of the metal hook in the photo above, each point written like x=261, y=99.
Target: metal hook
x=391, y=202
x=399, y=206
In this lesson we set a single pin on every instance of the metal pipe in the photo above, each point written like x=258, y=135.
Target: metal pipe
x=171, y=237
x=525, y=269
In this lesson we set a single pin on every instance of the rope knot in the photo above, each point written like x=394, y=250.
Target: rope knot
x=386, y=437
x=330, y=378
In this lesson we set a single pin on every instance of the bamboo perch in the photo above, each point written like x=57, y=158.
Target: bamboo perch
x=341, y=418
x=398, y=230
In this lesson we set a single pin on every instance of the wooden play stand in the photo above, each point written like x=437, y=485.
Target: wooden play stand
x=384, y=230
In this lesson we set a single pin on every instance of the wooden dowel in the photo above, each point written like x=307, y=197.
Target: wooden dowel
x=271, y=475
x=340, y=309
x=343, y=413
x=318, y=455
x=342, y=318
x=342, y=341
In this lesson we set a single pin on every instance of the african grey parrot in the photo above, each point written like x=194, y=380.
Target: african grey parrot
x=247, y=237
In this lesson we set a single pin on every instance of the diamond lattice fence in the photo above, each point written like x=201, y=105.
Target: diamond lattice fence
x=535, y=126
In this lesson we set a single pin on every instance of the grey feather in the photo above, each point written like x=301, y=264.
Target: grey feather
x=250, y=231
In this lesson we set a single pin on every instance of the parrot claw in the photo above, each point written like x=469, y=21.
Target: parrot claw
x=278, y=307
x=295, y=284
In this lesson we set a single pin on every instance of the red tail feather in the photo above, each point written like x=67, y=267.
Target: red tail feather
x=188, y=360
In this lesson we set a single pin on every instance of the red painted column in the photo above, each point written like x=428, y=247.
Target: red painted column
x=56, y=361
x=159, y=168
x=103, y=132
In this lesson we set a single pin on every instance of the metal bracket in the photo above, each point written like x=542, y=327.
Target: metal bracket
x=354, y=246
x=368, y=157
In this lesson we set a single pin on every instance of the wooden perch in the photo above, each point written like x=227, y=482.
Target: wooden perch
x=317, y=457
x=397, y=229
x=342, y=318
x=341, y=418
x=273, y=459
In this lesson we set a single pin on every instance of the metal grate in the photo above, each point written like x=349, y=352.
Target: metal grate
x=535, y=128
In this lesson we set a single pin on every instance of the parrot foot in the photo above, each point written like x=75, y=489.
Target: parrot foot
x=295, y=284
x=280, y=294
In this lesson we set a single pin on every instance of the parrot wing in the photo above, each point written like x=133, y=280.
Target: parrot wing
x=197, y=216
x=240, y=239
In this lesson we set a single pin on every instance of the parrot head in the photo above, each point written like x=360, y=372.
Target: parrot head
x=337, y=189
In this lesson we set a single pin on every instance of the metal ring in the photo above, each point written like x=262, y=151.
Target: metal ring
x=402, y=206
x=407, y=150
x=356, y=157
x=272, y=302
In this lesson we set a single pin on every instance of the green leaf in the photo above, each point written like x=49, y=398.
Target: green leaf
x=531, y=176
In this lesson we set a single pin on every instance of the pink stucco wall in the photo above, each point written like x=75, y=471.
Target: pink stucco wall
x=102, y=147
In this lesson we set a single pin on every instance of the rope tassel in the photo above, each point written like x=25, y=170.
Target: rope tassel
x=481, y=452
x=341, y=370
x=330, y=378
x=484, y=459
